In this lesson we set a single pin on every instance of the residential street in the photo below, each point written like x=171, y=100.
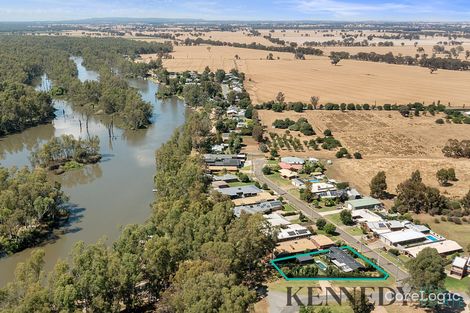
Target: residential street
x=391, y=268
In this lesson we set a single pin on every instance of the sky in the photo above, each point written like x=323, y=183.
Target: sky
x=343, y=10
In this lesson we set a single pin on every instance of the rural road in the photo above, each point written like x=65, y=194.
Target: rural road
x=391, y=268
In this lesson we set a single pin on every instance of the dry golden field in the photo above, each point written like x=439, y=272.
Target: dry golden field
x=350, y=81
x=196, y=58
x=353, y=81
x=300, y=36
x=388, y=142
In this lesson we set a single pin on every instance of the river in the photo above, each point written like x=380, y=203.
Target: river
x=104, y=196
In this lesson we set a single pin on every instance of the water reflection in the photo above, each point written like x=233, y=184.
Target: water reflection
x=115, y=192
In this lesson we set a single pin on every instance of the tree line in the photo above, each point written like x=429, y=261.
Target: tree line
x=22, y=107
x=292, y=49
x=431, y=63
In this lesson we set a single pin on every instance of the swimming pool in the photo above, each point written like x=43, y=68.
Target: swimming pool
x=432, y=238
x=321, y=265
x=314, y=180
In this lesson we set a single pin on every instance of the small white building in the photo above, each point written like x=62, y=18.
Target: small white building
x=293, y=160
x=322, y=187
x=365, y=216
x=299, y=183
x=293, y=231
x=402, y=238
x=276, y=220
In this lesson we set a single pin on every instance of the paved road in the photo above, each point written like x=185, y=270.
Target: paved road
x=391, y=268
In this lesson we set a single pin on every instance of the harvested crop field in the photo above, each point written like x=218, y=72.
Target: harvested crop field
x=388, y=142
x=353, y=81
x=196, y=58
x=350, y=81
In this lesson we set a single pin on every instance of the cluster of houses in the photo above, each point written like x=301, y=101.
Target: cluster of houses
x=320, y=184
x=233, y=82
x=236, y=114
x=405, y=236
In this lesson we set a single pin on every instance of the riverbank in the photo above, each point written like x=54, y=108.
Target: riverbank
x=126, y=172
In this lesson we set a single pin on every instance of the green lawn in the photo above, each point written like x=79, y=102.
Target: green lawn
x=354, y=231
x=457, y=285
x=288, y=208
x=272, y=162
x=276, y=178
x=400, y=260
x=335, y=218
x=294, y=192
x=458, y=233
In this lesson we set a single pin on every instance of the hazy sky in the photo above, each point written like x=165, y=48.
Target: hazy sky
x=394, y=10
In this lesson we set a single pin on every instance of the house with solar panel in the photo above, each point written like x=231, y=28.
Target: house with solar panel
x=343, y=260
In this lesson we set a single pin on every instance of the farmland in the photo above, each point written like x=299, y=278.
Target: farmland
x=350, y=81
x=388, y=142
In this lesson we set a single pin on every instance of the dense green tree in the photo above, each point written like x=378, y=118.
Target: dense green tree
x=378, y=186
x=427, y=273
x=31, y=206
x=346, y=217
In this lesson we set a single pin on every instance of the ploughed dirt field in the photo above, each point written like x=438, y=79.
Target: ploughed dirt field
x=388, y=142
x=350, y=81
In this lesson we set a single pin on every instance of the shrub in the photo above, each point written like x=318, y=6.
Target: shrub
x=440, y=121
x=267, y=170
x=330, y=229
x=394, y=251
x=357, y=155
x=327, y=132
x=321, y=223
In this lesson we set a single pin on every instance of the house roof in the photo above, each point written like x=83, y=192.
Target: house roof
x=295, y=246
x=219, y=183
x=403, y=236
x=226, y=177
x=366, y=201
x=344, y=258
x=262, y=207
x=276, y=219
x=364, y=215
x=287, y=173
x=290, y=166
x=298, y=181
x=321, y=241
x=442, y=247
x=293, y=231
x=420, y=228
x=321, y=187
x=304, y=258
x=460, y=262
x=292, y=160
x=240, y=190
x=261, y=197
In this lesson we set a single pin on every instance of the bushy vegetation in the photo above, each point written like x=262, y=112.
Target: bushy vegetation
x=22, y=107
x=30, y=205
x=413, y=195
x=457, y=149
x=192, y=255
x=61, y=150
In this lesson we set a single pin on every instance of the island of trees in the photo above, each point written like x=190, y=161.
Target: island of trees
x=66, y=152
x=25, y=58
